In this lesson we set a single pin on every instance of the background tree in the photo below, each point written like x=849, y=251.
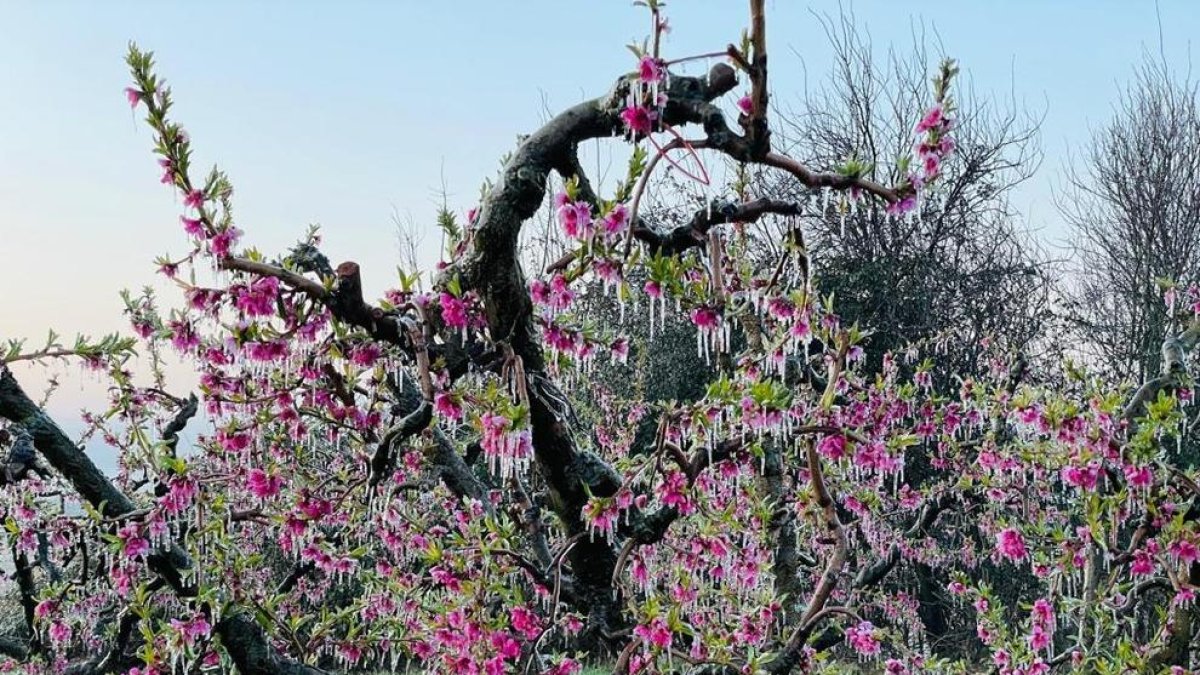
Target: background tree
x=1133, y=203
x=959, y=270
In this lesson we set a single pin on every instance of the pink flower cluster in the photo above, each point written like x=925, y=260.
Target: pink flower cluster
x=556, y=296
x=1010, y=544
x=508, y=450
x=937, y=144
x=455, y=311
x=1041, y=627
x=861, y=638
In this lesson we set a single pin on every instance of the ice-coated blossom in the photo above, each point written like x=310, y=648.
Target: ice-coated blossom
x=168, y=176
x=258, y=298
x=1010, y=544
x=192, y=630
x=656, y=633
x=575, y=218
x=832, y=446
x=194, y=199
x=616, y=220
x=183, y=335
x=1184, y=550
x=447, y=406
x=222, y=243
x=639, y=119
x=861, y=638
x=60, y=632
x=560, y=293
x=365, y=354
x=902, y=205
x=706, y=317
x=1139, y=476
x=619, y=349
x=133, y=544
x=650, y=70
x=263, y=485
x=931, y=120
x=454, y=311
x=525, y=622
x=193, y=226
x=507, y=449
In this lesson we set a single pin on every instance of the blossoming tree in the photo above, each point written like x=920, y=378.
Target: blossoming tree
x=404, y=484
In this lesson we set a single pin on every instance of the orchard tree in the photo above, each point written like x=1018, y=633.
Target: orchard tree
x=366, y=493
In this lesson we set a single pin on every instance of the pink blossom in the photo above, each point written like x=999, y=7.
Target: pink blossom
x=1184, y=551
x=781, y=308
x=745, y=105
x=194, y=199
x=639, y=119
x=1011, y=545
x=656, y=633
x=705, y=317
x=168, y=177
x=1081, y=477
x=454, y=311
x=801, y=329
x=350, y=652
x=133, y=544
x=619, y=349
x=60, y=632
x=222, y=243
x=447, y=407
x=258, y=299
x=267, y=351
x=314, y=508
x=650, y=70
x=903, y=205
x=181, y=492
x=1139, y=476
x=862, y=638
x=263, y=485
x=183, y=336
x=539, y=291
x=616, y=220
x=561, y=294
x=575, y=218
x=832, y=446
x=44, y=609
x=133, y=96
x=193, y=226
x=192, y=630
x=931, y=164
x=1143, y=564
x=525, y=622
x=365, y=355
x=608, y=270
x=674, y=493
x=932, y=119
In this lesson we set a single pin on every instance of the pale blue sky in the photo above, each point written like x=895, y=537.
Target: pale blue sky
x=339, y=112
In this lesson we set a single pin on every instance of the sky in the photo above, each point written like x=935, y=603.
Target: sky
x=351, y=113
